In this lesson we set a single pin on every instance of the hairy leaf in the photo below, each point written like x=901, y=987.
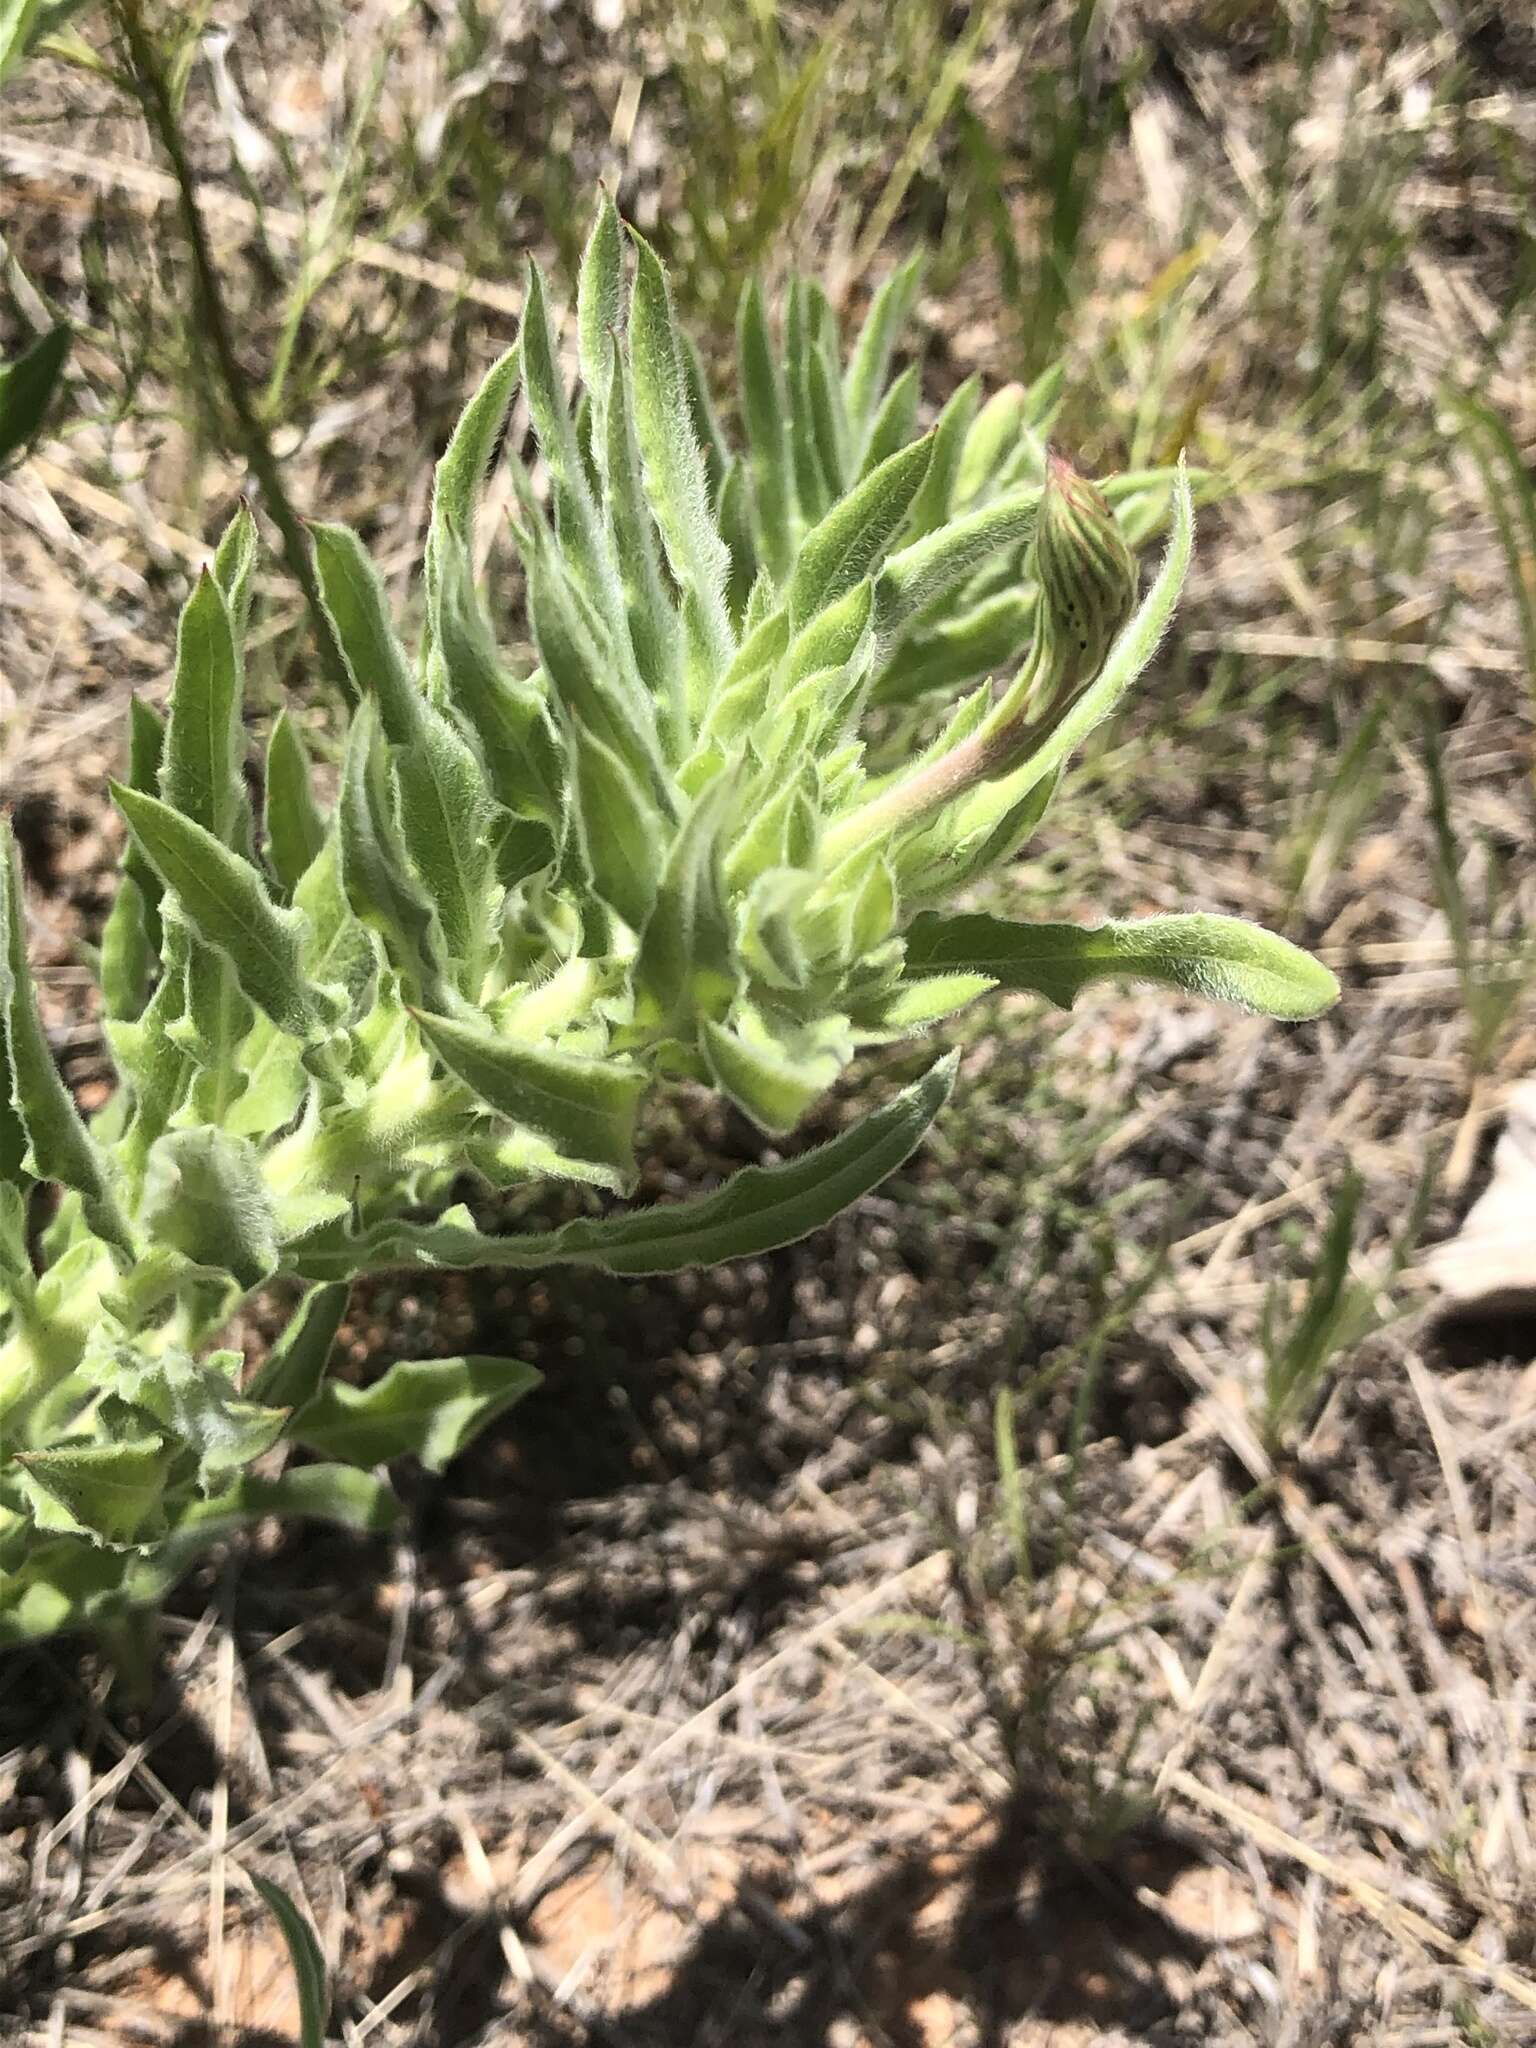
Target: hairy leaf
x=1223, y=959
x=428, y=1408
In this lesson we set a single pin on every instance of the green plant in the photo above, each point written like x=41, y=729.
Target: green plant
x=1492, y=973
x=1337, y=1312
x=27, y=385
x=662, y=856
x=306, y=1958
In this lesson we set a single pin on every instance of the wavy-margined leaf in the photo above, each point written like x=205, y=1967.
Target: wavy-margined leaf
x=28, y=383
x=204, y=1195
x=756, y=1211
x=111, y=1492
x=67, y=1584
x=229, y=910
x=324, y=1493
x=850, y=543
x=200, y=769
x=773, y=1082
x=294, y=827
x=294, y=1367
x=585, y=1108
x=674, y=465
x=428, y=1408
x=59, y=1147
x=307, y=1960
x=198, y=1403
x=1223, y=959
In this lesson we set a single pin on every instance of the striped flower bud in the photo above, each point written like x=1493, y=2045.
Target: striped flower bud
x=1087, y=584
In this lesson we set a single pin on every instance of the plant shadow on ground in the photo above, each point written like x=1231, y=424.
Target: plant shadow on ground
x=1007, y=1925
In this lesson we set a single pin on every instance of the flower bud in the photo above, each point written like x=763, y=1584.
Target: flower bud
x=1087, y=584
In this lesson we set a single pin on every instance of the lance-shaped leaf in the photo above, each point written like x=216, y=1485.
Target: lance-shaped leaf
x=127, y=954
x=989, y=442
x=227, y=907
x=449, y=828
x=812, y=490
x=59, y=1147
x=354, y=601
x=326, y=1493
x=583, y=677
x=444, y=816
x=851, y=542
x=200, y=770
x=600, y=307
x=756, y=1211
x=913, y=1005
x=146, y=753
x=895, y=425
x=764, y=411
x=1223, y=959
x=295, y=830
x=428, y=1408
x=683, y=968
x=375, y=874
x=867, y=367
x=27, y=385
x=507, y=716
x=829, y=415
x=652, y=622
x=204, y=1195
x=976, y=643
x=461, y=471
x=585, y=1108
x=110, y=1492
x=620, y=828
x=304, y=1953
x=293, y=1369
x=931, y=505
x=234, y=569
x=912, y=579
x=674, y=465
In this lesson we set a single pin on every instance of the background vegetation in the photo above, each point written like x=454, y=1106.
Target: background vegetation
x=1083, y=1596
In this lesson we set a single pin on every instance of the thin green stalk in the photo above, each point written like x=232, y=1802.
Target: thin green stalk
x=155, y=97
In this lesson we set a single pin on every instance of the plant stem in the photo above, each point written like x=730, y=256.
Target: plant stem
x=160, y=112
